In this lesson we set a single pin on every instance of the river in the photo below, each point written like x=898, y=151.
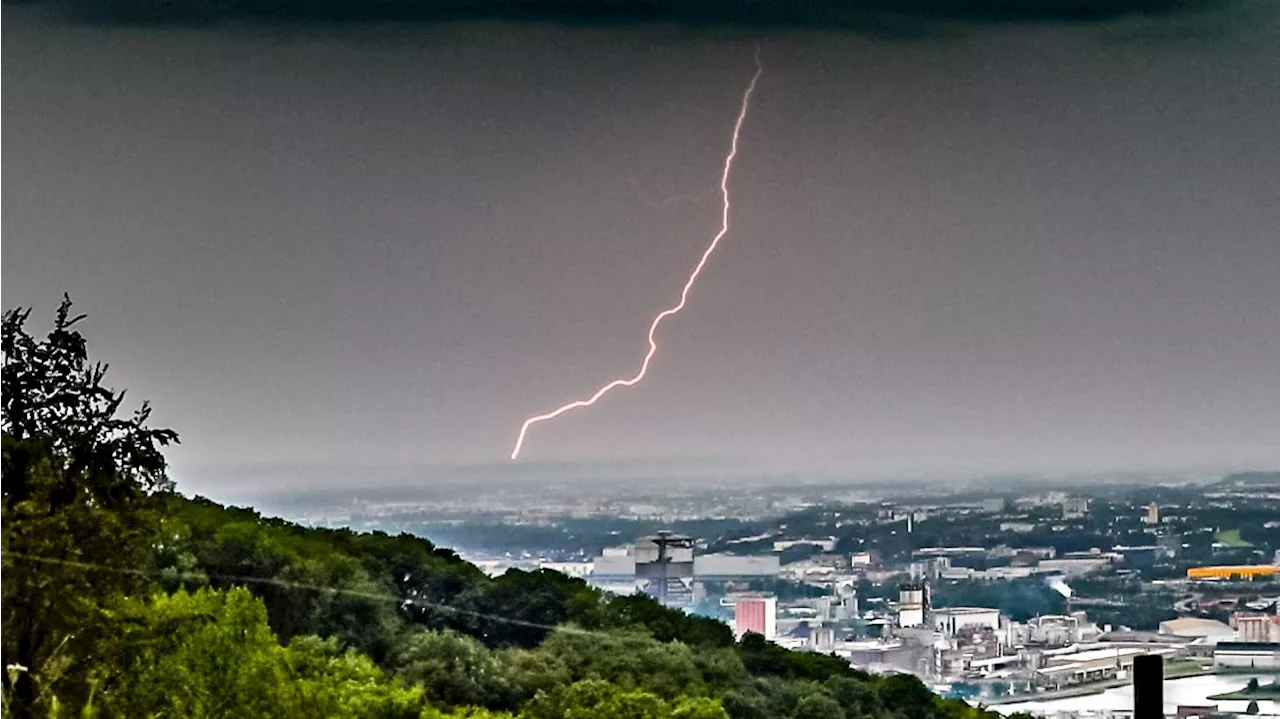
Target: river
x=1186, y=691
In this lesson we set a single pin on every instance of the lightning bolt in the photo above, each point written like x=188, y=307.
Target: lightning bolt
x=688, y=285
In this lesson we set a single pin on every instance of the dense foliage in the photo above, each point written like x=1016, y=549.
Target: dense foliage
x=123, y=599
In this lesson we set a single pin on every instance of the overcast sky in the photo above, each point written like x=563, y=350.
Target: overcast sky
x=1000, y=248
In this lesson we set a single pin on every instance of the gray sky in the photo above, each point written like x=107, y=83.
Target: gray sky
x=1007, y=248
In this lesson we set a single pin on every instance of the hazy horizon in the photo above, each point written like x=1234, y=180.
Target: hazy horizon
x=1018, y=248
x=247, y=483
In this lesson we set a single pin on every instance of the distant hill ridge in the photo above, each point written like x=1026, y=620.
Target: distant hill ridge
x=1251, y=479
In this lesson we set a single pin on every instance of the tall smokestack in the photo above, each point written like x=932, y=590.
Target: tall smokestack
x=1148, y=687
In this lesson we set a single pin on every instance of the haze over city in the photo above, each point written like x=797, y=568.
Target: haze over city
x=967, y=248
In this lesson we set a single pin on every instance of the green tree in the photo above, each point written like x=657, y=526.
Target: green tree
x=643, y=611
x=534, y=671
x=906, y=696
x=425, y=577
x=313, y=581
x=628, y=660
x=330, y=594
x=593, y=699
x=455, y=669
x=521, y=608
x=720, y=668
x=745, y=704
x=329, y=682
x=463, y=713
x=698, y=708
x=210, y=654
x=782, y=696
x=1252, y=685
x=77, y=512
x=855, y=696
x=764, y=658
x=206, y=654
x=817, y=706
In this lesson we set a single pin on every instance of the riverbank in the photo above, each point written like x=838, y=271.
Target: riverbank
x=1265, y=691
x=1081, y=690
x=1179, y=670
x=1187, y=691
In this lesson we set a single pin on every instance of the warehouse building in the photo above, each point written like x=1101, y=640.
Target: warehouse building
x=1247, y=655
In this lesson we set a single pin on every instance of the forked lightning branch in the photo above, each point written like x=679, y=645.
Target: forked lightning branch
x=684, y=293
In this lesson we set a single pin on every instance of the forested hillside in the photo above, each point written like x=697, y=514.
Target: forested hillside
x=122, y=598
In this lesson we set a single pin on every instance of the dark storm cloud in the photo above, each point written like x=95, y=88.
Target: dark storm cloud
x=877, y=16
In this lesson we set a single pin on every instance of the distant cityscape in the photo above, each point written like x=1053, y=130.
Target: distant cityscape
x=1039, y=592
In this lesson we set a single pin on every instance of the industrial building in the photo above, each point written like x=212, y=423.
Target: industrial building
x=664, y=568
x=614, y=571
x=826, y=544
x=1256, y=627
x=572, y=569
x=956, y=620
x=884, y=655
x=758, y=614
x=730, y=567
x=1075, y=507
x=913, y=604
x=634, y=567
x=1210, y=631
x=1092, y=666
x=1239, y=571
x=1057, y=630
x=1153, y=514
x=1142, y=557
x=1247, y=655
x=949, y=552
x=1075, y=566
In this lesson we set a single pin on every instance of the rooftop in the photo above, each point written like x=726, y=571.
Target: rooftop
x=1248, y=647
x=964, y=610
x=1148, y=637
x=1095, y=654
x=1189, y=626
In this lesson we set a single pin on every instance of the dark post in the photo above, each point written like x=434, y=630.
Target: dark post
x=1148, y=687
x=662, y=540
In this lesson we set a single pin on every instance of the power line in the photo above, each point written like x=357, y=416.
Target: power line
x=287, y=584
